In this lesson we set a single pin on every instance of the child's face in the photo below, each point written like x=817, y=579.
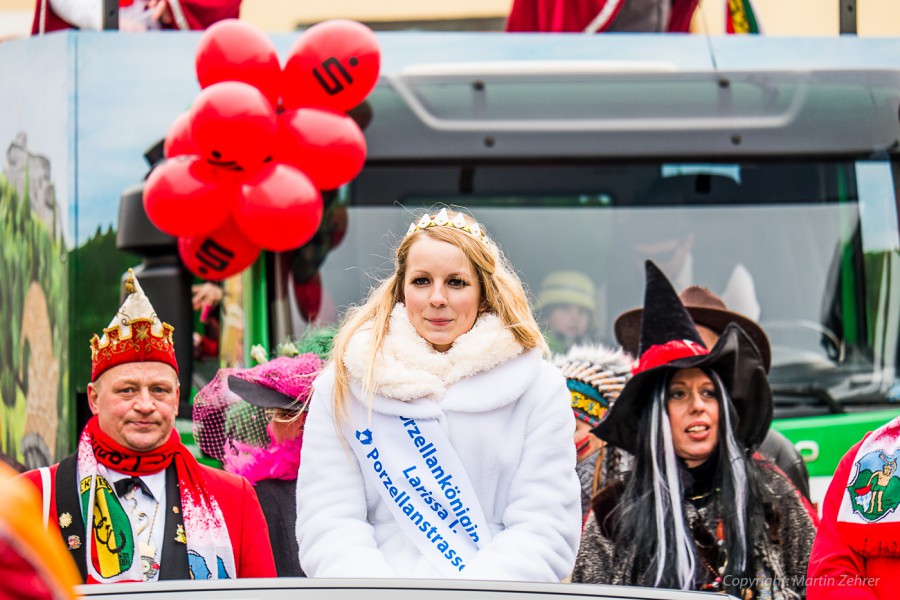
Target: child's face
x=569, y=320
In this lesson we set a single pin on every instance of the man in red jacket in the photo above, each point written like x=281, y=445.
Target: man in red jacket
x=132, y=503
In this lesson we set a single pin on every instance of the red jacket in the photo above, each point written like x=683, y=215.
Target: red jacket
x=835, y=571
x=237, y=499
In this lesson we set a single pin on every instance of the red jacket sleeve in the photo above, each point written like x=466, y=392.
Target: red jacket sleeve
x=34, y=476
x=832, y=563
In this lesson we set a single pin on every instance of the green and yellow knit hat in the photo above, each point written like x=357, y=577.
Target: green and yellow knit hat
x=566, y=287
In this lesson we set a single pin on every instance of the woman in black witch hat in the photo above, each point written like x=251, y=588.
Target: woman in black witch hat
x=699, y=510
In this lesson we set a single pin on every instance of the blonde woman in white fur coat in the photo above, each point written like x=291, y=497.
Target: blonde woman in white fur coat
x=439, y=440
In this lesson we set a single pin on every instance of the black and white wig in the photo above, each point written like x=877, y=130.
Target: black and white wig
x=665, y=550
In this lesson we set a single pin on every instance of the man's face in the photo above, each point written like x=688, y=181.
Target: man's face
x=569, y=320
x=136, y=403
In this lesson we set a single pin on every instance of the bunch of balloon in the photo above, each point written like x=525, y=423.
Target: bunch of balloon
x=246, y=165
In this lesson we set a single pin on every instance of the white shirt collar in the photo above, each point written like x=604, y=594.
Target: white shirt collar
x=156, y=481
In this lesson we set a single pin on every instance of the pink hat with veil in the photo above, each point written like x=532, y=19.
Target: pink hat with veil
x=232, y=407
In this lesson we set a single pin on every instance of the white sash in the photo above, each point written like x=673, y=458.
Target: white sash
x=422, y=481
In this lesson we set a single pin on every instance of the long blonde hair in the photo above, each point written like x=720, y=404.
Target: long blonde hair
x=502, y=294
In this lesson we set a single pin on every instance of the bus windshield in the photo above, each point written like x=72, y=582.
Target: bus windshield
x=809, y=249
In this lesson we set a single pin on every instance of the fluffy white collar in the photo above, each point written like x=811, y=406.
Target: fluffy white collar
x=409, y=368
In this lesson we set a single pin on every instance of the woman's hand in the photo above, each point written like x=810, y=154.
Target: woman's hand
x=206, y=294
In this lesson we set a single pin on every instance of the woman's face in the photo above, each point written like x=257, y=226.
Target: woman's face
x=586, y=443
x=694, y=415
x=582, y=430
x=286, y=425
x=441, y=292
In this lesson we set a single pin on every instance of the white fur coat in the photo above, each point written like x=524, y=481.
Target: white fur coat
x=507, y=414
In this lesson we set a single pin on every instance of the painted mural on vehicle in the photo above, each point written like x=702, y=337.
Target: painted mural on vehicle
x=33, y=318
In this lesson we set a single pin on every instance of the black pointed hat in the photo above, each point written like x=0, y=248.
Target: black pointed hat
x=666, y=325
x=669, y=342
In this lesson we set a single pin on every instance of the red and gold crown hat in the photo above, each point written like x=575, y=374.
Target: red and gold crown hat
x=134, y=335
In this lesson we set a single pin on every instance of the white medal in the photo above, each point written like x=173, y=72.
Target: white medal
x=149, y=565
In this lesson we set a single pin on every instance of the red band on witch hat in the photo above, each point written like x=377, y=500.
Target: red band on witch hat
x=663, y=354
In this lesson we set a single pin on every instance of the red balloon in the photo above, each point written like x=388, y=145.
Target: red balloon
x=179, y=139
x=184, y=197
x=328, y=146
x=309, y=297
x=234, y=126
x=280, y=209
x=333, y=64
x=219, y=254
x=235, y=50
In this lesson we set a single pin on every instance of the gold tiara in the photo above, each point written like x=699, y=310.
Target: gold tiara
x=442, y=219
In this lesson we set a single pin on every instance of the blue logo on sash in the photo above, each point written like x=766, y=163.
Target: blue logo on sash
x=364, y=437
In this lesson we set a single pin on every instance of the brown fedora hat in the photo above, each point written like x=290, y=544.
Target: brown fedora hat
x=706, y=309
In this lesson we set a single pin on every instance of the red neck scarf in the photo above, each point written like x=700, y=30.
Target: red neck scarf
x=124, y=460
x=205, y=531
